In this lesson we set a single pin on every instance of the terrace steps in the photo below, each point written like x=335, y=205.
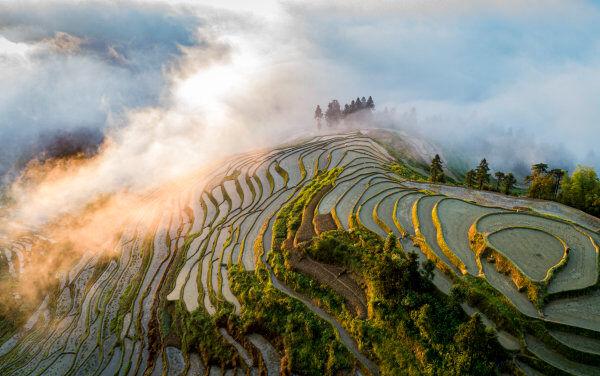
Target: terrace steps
x=228, y=221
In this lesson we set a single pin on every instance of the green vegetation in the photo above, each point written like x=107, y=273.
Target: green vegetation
x=543, y=184
x=310, y=345
x=470, y=179
x=406, y=172
x=292, y=211
x=359, y=300
x=198, y=332
x=283, y=173
x=582, y=190
x=412, y=328
x=509, y=182
x=480, y=178
x=477, y=292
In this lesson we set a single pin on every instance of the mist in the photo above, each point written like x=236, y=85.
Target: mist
x=71, y=70
x=105, y=105
x=514, y=81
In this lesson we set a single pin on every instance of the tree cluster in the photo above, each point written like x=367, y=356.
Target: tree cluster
x=480, y=178
x=334, y=113
x=544, y=183
x=580, y=190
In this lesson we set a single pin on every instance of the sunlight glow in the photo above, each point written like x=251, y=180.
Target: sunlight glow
x=211, y=86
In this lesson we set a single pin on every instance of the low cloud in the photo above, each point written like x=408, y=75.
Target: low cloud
x=172, y=88
x=475, y=71
x=67, y=65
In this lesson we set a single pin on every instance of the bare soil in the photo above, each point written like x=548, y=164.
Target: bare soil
x=324, y=222
x=338, y=278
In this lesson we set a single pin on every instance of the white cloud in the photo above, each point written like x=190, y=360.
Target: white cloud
x=485, y=81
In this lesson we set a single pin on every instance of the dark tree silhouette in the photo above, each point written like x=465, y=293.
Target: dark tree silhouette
x=333, y=113
x=347, y=110
x=436, y=172
x=539, y=168
x=370, y=103
x=482, y=176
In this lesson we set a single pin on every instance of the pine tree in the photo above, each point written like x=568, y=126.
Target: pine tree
x=436, y=172
x=470, y=179
x=347, y=110
x=333, y=113
x=370, y=104
x=482, y=175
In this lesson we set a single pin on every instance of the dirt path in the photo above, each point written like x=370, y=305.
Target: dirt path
x=335, y=277
x=344, y=336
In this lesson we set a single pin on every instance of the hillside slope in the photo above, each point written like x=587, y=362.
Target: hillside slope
x=178, y=299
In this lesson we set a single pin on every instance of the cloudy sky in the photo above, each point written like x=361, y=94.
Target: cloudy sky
x=517, y=81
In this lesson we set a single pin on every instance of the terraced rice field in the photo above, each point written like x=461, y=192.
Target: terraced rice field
x=581, y=269
x=426, y=232
x=104, y=316
x=535, y=251
x=453, y=218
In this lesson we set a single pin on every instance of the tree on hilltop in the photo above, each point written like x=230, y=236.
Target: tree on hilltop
x=333, y=114
x=318, y=116
x=370, y=103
